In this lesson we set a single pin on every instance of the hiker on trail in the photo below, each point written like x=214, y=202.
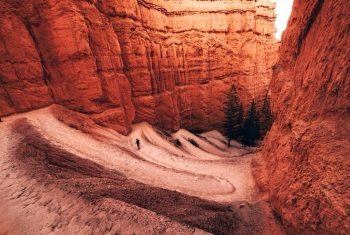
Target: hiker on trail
x=138, y=144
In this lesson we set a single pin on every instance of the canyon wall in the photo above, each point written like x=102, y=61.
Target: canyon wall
x=307, y=151
x=122, y=61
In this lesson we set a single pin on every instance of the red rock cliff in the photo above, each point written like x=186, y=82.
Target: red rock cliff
x=308, y=149
x=166, y=62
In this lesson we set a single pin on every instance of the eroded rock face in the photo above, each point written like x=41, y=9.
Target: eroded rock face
x=308, y=149
x=166, y=62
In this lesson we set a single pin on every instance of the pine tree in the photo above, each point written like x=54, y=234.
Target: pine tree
x=251, y=128
x=240, y=121
x=266, y=118
x=233, y=115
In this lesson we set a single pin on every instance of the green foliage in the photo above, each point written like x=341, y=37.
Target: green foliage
x=251, y=127
x=233, y=115
x=266, y=118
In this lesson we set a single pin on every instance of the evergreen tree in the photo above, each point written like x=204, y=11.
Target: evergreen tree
x=233, y=115
x=240, y=121
x=266, y=119
x=251, y=128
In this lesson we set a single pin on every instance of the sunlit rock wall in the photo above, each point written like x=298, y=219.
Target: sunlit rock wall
x=122, y=61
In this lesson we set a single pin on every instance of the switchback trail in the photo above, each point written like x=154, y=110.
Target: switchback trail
x=62, y=173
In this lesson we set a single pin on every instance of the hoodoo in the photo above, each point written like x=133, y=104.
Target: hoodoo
x=169, y=63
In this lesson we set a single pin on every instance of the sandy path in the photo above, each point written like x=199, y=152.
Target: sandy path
x=225, y=179
x=29, y=206
x=209, y=171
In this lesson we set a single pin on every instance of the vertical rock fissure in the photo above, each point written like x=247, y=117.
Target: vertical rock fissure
x=314, y=13
x=46, y=74
x=8, y=97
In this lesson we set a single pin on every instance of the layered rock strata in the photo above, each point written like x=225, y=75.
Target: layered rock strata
x=307, y=151
x=166, y=62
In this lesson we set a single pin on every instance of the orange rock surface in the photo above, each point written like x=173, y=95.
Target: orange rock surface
x=307, y=151
x=166, y=62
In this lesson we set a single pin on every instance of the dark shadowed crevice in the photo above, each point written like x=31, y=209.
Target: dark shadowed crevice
x=314, y=13
x=46, y=75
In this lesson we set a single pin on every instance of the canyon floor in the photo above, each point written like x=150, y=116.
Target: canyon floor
x=62, y=173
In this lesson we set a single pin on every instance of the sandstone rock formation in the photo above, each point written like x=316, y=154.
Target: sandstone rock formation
x=307, y=151
x=166, y=62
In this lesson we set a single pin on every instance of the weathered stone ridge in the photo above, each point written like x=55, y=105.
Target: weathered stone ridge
x=307, y=150
x=166, y=62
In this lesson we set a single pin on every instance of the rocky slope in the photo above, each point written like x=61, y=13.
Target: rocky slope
x=165, y=62
x=307, y=150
